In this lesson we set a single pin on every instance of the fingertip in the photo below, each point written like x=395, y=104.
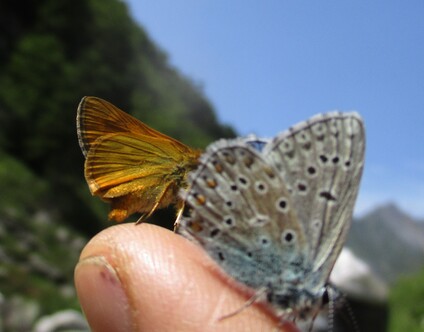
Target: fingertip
x=167, y=284
x=102, y=296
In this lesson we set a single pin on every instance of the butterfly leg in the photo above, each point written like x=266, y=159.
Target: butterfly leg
x=311, y=326
x=156, y=205
x=180, y=208
x=141, y=219
x=248, y=303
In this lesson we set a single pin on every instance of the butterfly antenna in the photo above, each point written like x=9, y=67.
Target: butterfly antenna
x=311, y=326
x=330, y=317
x=350, y=314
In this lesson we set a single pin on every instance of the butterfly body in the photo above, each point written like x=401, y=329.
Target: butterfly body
x=128, y=164
x=276, y=217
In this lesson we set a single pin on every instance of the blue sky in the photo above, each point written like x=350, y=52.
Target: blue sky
x=266, y=65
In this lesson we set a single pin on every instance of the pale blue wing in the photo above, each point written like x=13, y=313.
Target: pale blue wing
x=274, y=214
x=242, y=215
x=321, y=162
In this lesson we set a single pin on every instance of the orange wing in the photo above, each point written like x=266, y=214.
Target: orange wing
x=97, y=117
x=130, y=165
x=116, y=162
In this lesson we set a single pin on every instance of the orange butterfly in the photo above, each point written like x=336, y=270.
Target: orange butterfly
x=128, y=164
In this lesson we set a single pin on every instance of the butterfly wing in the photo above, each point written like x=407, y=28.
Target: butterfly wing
x=242, y=215
x=121, y=163
x=321, y=162
x=97, y=117
x=134, y=167
x=137, y=173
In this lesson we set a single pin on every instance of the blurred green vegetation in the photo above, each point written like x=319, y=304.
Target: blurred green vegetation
x=52, y=53
x=55, y=52
x=407, y=304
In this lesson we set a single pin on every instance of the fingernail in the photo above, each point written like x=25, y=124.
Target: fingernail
x=102, y=296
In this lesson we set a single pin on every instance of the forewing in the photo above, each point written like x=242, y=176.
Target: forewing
x=97, y=117
x=321, y=162
x=242, y=215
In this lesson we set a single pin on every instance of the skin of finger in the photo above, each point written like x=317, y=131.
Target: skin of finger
x=171, y=284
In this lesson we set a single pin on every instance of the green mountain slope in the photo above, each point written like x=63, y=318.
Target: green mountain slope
x=56, y=52
x=52, y=53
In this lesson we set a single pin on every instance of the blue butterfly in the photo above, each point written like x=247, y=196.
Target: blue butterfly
x=274, y=214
